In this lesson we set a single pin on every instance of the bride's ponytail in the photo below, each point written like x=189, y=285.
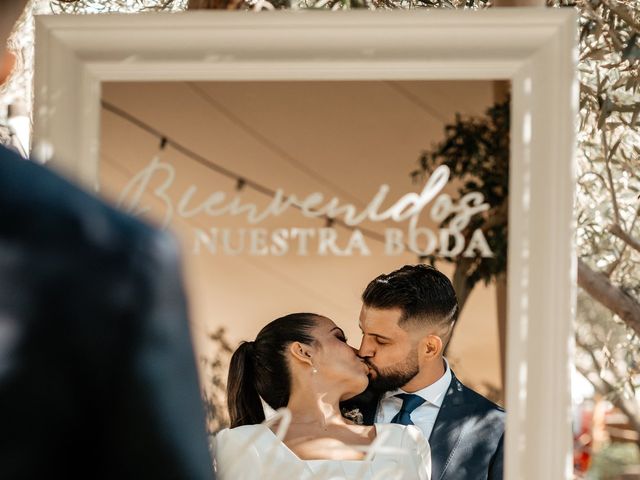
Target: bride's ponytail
x=260, y=369
x=243, y=400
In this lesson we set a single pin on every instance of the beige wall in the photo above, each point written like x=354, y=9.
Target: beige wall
x=339, y=138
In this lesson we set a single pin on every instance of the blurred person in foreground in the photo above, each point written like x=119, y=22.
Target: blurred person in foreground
x=97, y=373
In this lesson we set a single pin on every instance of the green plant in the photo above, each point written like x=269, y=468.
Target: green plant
x=476, y=150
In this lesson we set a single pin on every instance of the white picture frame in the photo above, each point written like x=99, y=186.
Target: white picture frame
x=534, y=48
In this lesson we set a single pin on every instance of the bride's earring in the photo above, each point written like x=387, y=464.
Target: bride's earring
x=314, y=370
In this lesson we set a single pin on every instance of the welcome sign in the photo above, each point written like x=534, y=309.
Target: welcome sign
x=256, y=240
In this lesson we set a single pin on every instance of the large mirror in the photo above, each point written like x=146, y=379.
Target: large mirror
x=294, y=173
x=287, y=197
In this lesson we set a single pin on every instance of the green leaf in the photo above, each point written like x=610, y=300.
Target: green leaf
x=613, y=149
x=632, y=50
x=634, y=117
x=602, y=118
x=631, y=83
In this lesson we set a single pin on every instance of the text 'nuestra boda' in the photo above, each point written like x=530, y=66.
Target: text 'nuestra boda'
x=157, y=178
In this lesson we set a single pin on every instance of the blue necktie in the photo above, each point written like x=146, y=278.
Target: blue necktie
x=409, y=403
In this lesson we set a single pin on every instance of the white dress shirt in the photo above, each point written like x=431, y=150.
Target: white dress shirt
x=424, y=417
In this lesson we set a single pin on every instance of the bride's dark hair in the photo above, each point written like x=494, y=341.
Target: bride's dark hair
x=260, y=368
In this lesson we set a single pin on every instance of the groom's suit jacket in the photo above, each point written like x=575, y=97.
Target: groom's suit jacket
x=97, y=372
x=467, y=439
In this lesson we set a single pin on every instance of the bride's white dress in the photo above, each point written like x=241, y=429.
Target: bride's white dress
x=255, y=452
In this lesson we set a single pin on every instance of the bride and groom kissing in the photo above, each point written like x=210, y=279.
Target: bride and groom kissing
x=409, y=416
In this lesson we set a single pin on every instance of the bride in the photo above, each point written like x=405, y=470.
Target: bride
x=302, y=362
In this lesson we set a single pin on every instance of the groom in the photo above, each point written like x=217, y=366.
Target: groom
x=406, y=320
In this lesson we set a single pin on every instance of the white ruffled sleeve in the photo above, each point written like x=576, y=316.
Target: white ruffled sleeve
x=415, y=441
x=235, y=455
x=253, y=452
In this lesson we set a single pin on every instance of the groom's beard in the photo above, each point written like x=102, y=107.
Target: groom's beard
x=394, y=377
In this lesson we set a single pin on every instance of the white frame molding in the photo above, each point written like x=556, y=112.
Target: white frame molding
x=534, y=48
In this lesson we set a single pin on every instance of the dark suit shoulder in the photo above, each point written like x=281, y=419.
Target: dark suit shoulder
x=58, y=238
x=482, y=402
x=40, y=206
x=487, y=412
x=467, y=437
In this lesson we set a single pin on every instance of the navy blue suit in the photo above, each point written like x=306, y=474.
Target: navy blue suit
x=97, y=373
x=467, y=438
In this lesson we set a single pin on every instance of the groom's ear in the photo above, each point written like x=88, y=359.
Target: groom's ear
x=301, y=352
x=431, y=346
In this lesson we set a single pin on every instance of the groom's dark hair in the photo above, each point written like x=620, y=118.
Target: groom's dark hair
x=424, y=294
